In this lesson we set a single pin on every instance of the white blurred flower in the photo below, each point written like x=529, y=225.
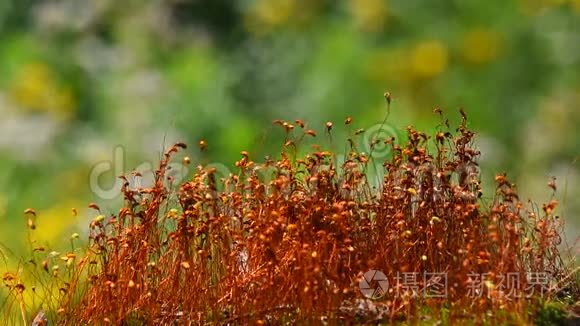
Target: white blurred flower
x=97, y=57
x=67, y=14
x=28, y=137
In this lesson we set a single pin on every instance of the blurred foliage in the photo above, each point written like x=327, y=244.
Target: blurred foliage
x=77, y=78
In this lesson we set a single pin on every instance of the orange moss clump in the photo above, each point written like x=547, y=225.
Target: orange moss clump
x=288, y=240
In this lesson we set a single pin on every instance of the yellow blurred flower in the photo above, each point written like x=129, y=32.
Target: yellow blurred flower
x=575, y=5
x=480, y=45
x=369, y=15
x=536, y=7
x=267, y=15
x=428, y=59
x=36, y=88
x=53, y=222
x=275, y=12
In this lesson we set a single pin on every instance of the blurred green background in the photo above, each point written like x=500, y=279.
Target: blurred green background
x=78, y=78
